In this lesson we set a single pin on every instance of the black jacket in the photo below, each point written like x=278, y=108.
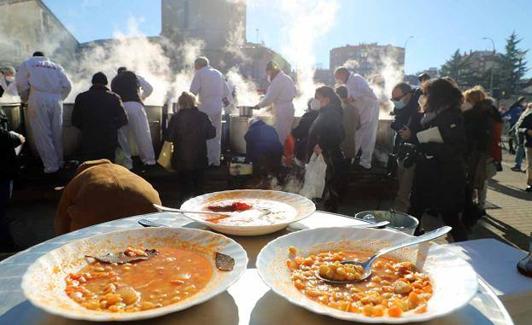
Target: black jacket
x=404, y=115
x=98, y=113
x=300, y=133
x=439, y=181
x=327, y=130
x=9, y=164
x=189, y=129
x=127, y=86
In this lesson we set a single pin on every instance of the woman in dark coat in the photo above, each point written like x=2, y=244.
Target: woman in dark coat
x=478, y=125
x=300, y=132
x=189, y=129
x=439, y=181
x=325, y=137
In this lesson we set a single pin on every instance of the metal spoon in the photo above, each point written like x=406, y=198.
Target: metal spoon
x=380, y=224
x=148, y=223
x=167, y=209
x=366, y=265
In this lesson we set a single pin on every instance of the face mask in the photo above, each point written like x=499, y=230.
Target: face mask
x=315, y=104
x=10, y=79
x=466, y=106
x=399, y=104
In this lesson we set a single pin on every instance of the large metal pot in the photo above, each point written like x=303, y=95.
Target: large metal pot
x=385, y=135
x=245, y=111
x=71, y=135
x=13, y=114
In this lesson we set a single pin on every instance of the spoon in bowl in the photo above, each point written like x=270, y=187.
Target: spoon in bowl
x=148, y=223
x=366, y=265
x=167, y=209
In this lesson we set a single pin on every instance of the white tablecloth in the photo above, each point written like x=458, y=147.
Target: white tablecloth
x=248, y=301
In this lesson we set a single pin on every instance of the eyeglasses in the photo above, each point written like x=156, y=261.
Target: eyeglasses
x=399, y=98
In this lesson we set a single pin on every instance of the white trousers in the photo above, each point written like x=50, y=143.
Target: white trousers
x=366, y=136
x=46, y=122
x=139, y=129
x=283, y=119
x=214, y=145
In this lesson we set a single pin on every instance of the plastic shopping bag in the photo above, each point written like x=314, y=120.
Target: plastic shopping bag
x=165, y=157
x=122, y=159
x=314, y=182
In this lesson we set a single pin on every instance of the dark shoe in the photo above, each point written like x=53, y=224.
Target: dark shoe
x=8, y=246
x=419, y=231
x=516, y=169
x=363, y=168
x=529, y=189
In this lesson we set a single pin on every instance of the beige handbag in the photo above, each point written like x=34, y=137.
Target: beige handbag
x=165, y=157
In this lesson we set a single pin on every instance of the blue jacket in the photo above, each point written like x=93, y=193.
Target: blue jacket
x=512, y=115
x=262, y=141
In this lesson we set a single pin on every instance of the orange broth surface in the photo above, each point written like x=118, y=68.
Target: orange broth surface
x=394, y=288
x=172, y=276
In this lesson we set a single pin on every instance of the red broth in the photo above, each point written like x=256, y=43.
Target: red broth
x=170, y=277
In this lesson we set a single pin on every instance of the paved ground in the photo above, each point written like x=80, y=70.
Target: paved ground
x=509, y=218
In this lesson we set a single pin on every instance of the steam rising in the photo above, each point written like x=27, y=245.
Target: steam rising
x=169, y=67
x=305, y=21
x=142, y=55
x=247, y=94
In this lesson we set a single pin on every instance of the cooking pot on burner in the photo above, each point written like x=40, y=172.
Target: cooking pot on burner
x=246, y=111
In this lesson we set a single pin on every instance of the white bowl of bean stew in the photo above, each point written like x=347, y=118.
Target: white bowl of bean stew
x=153, y=272
x=409, y=285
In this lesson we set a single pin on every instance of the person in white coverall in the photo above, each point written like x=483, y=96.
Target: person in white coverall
x=133, y=89
x=365, y=100
x=44, y=85
x=280, y=94
x=213, y=92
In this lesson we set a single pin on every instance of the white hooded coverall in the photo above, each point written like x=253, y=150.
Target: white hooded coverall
x=365, y=100
x=44, y=85
x=211, y=88
x=280, y=94
x=137, y=129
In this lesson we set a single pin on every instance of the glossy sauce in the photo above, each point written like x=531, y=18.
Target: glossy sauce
x=394, y=288
x=169, y=277
x=251, y=212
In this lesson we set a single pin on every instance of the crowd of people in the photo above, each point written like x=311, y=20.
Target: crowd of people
x=446, y=147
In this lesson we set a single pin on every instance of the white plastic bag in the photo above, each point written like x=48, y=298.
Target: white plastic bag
x=314, y=183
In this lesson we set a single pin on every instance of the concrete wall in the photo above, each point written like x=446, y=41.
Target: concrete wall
x=27, y=26
x=219, y=23
x=367, y=59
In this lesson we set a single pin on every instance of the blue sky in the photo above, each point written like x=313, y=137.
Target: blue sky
x=439, y=27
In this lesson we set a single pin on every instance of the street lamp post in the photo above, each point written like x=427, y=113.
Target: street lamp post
x=404, y=47
x=491, y=69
